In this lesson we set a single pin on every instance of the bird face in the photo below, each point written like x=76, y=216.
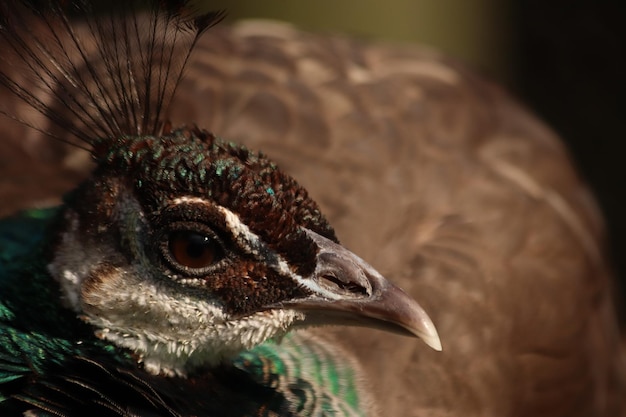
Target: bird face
x=186, y=250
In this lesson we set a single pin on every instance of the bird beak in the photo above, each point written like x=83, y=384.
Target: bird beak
x=346, y=290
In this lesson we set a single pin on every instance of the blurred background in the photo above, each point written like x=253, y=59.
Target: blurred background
x=566, y=60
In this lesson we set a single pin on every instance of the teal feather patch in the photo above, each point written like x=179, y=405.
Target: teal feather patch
x=19, y=233
x=312, y=375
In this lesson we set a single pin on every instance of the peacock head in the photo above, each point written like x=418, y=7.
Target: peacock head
x=187, y=249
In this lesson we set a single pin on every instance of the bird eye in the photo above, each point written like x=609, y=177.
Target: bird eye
x=194, y=250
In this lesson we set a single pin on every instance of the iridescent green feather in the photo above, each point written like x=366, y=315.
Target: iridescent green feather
x=313, y=376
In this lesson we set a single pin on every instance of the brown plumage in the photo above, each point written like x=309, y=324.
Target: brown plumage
x=438, y=179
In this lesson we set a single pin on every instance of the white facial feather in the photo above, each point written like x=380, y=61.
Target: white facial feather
x=175, y=333
x=173, y=329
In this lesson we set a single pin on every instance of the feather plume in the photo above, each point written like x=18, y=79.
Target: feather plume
x=106, y=74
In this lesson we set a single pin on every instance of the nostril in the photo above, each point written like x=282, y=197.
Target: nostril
x=330, y=280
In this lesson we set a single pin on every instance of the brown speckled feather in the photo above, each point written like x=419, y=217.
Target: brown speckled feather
x=438, y=179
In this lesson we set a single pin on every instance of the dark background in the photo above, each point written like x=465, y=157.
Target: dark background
x=570, y=68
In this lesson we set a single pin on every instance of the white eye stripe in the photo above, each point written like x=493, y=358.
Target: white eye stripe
x=246, y=238
x=251, y=242
x=241, y=233
x=187, y=200
x=235, y=224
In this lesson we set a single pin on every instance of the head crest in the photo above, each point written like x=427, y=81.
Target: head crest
x=108, y=74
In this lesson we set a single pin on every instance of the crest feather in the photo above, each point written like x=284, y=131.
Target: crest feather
x=97, y=73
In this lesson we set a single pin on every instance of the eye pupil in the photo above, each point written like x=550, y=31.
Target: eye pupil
x=197, y=245
x=193, y=250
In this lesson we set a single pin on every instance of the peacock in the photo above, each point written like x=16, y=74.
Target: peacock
x=168, y=281
x=434, y=175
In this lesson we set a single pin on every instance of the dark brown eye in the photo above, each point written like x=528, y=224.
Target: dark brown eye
x=194, y=250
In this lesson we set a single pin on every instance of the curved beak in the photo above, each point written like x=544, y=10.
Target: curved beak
x=346, y=290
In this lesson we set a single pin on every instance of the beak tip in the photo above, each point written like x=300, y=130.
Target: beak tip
x=433, y=341
x=428, y=333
